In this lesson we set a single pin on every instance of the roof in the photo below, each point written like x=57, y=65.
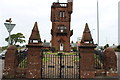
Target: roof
x=86, y=34
x=35, y=33
x=35, y=39
x=46, y=44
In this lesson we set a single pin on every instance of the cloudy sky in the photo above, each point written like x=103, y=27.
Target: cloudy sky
x=25, y=13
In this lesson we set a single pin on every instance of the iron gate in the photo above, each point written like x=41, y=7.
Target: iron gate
x=60, y=66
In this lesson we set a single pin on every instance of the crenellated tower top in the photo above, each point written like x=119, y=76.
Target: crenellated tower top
x=61, y=18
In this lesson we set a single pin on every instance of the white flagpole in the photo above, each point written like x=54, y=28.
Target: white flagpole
x=97, y=23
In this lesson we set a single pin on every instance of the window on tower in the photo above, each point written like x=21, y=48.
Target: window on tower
x=62, y=14
x=62, y=28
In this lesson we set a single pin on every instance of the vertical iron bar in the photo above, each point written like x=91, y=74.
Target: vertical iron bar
x=55, y=59
x=45, y=69
x=50, y=56
x=60, y=64
x=79, y=63
x=73, y=64
x=65, y=66
x=52, y=67
x=57, y=71
x=47, y=66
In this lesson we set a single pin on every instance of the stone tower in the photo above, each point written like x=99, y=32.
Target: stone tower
x=34, y=58
x=61, y=18
x=86, y=50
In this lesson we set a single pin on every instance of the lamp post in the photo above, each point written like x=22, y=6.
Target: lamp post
x=9, y=28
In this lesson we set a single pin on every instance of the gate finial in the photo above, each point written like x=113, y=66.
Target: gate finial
x=35, y=36
x=87, y=35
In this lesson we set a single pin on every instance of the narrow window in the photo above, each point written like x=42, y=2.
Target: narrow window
x=62, y=14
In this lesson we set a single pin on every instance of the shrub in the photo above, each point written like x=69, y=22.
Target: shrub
x=118, y=46
x=53, y=49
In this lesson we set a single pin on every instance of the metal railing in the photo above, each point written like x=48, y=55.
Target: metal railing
x=60, y=66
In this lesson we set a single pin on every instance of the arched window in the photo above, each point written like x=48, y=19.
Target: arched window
x=62, y=14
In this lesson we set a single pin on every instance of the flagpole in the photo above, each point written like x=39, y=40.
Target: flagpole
x=97, y=23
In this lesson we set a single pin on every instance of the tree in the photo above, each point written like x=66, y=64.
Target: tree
x=106, y=46
x=16, y=38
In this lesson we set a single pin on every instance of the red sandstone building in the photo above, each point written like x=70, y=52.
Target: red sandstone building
x=61, y=18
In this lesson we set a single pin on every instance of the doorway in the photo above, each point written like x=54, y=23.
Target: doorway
x=61, y=46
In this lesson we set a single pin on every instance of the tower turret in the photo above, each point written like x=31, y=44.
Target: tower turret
x=70, y=5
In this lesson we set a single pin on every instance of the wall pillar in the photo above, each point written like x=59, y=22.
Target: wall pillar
x=10, y=62
x=87, y=62
x=86, y=50
x=34, y=57
x=34, y=62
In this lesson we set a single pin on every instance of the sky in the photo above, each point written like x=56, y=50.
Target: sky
x=25, y=13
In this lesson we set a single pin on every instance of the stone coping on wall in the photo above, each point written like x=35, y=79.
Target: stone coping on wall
x=116, y=78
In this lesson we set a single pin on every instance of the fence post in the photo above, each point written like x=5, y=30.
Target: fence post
x=10, y=62
x=60, y=54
